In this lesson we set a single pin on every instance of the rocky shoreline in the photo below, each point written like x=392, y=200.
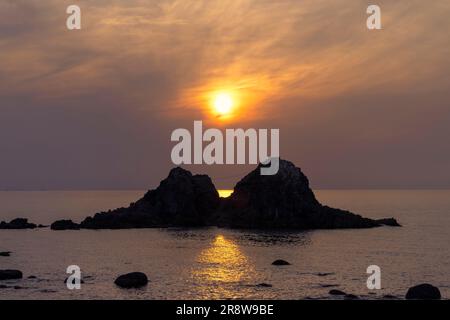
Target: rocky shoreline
x=19, y=223
x=139, y=280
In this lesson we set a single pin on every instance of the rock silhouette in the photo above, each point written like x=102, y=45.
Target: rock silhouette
x=423, y=291
x=182, y=199
x=280, y=262
x=132, y=280
x=10, y=274
x=336, y=292
x=64, y=225
x=281, y=201
x=5, y=254
x=18, y=223
x=284, y=200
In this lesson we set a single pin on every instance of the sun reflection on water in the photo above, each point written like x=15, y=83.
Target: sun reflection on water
x=222, y=266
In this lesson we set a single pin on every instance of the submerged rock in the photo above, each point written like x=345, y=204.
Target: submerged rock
x=10, y=274
x=423, y=292
x=280, y=262
x=324, y=274
x=18, y=223
x=336, y=292
x=328, y=285
x=132, y=280
x=64, y=225
x=181, y=200
x=351, y=297
x=264, y=285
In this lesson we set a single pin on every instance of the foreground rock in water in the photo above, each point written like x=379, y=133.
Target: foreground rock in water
x=284, y=200
x=336, y=292
x=18, y=223
x=182, y=199
x=423, y=292
x=280, y=262
x=10, y=274
x=132, y=280
x=64, y=225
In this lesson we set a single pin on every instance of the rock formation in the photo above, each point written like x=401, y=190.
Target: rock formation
x=423, y=291
x=182, y=199
x=280, y=262
x=284, y=200
x=64, y=225
x=132, y=280
x=18, y=223
x=281, y=201
x=10, y=274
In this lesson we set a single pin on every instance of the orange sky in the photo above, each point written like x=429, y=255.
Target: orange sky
x=356, y=108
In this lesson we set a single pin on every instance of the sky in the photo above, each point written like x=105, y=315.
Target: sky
x=95, y=108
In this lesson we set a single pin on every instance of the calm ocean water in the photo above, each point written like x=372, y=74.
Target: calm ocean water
x=216, y=263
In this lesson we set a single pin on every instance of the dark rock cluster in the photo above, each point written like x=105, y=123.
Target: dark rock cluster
x=64, y=225
x=19, y=223
x=280, y=201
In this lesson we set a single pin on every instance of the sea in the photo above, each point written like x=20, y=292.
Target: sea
x=214, y=263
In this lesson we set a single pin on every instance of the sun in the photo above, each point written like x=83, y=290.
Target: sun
x=223, y=103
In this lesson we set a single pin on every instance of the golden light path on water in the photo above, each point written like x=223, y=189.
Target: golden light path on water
x=222, y=267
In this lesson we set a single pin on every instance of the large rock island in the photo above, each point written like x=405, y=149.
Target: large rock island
x=281, y=201
x=284, y=200
x=182, y=199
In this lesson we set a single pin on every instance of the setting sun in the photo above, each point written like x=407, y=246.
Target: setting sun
x=223, y=103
